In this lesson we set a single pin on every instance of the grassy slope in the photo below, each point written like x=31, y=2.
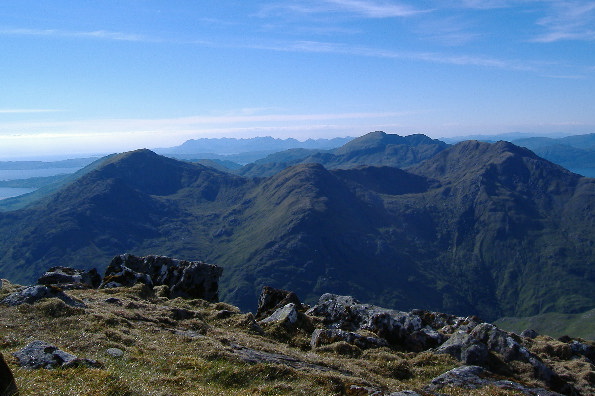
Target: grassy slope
x=158, y=361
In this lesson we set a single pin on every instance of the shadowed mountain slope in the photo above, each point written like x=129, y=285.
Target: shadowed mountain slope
x=479, y=228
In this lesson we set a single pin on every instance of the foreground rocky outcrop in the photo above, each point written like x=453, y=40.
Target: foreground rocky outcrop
x=360, y=349
x=187, y=279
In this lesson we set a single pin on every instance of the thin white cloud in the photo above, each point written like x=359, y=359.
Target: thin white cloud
x=431, y=57
x=568, y=20
x=26, y=111
x=96, y=34
x=362, y=8
x=375, y=9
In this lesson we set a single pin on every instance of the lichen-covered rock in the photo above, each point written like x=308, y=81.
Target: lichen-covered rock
x=272, y=299
x=33, y=294
x=40, y=354
x=529, y=333
x=186, y=279
x=70, y=278
x=287, y=314
x=475, y=377
x=510, y=349
x=409, y=329
x=328, y=336
x=465, y=349
x=8, y=386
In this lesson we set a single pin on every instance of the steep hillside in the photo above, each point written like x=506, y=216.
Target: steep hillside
x=375, y=148
x=488, y=229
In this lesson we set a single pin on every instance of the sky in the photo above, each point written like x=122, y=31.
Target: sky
x=90, y=76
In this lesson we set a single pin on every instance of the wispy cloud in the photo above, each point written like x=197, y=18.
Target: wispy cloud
x=375, y=9
x=96, y=34
x=26, y=111
x=432, y=57
x=568, y=20
x=362, y=8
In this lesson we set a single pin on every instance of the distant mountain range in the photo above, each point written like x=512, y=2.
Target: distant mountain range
x=475, y=228
x=244, y=151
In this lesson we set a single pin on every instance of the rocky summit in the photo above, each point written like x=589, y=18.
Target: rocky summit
x=138, y=339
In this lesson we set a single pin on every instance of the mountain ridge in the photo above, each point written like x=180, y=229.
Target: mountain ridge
x=478, y=228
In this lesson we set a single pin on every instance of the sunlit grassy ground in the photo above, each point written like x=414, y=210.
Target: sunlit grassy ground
x=159, y=361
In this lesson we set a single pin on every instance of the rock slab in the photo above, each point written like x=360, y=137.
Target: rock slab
x=70, y=278
x=33, y=294
x=186, y=279
x=40, y=354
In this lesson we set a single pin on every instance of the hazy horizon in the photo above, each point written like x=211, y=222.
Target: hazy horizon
x=111, y=77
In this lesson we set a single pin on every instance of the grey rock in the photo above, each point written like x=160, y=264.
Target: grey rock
x=287, y=314
x=272, y=299
x=405, y=393
x=413, y=330
x=70, y=278
x=33, y=294
x=529, y=333
x=186, y=279
x=510, y=349
x=39, y=354
x=362, y=389
x=114, y=352
x=8, y=386
x=328, y=336
x=580, y=348
x=475, y=377
x=254, y=356
x=465, y=348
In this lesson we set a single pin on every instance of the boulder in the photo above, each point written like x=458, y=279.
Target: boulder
x=287, y=314
x=8, y=386
x=272, y=299
x=510, y=349
x=465, y=349
x=186, y=279
x=328, y=336
x=475, y=377
x=529, y=333
x=70, y=278
x=39, y=354
x=32, y=294
x=409, y=329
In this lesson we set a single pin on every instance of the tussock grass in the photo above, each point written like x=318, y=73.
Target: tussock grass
x=185, y=347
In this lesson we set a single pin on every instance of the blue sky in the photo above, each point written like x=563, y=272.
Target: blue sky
x=107, y=76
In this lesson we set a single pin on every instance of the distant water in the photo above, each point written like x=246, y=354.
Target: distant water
x=13, y=174
x=8, y=192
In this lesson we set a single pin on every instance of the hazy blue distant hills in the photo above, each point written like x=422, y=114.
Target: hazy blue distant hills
x=69, y=163
x=576, y=153
x=478, y=228
x=375, y=148
x=244, y=151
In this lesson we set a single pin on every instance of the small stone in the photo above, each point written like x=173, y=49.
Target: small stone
x=33, y=294
x=115, y=352
x=40, y=354
x=529, y=333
